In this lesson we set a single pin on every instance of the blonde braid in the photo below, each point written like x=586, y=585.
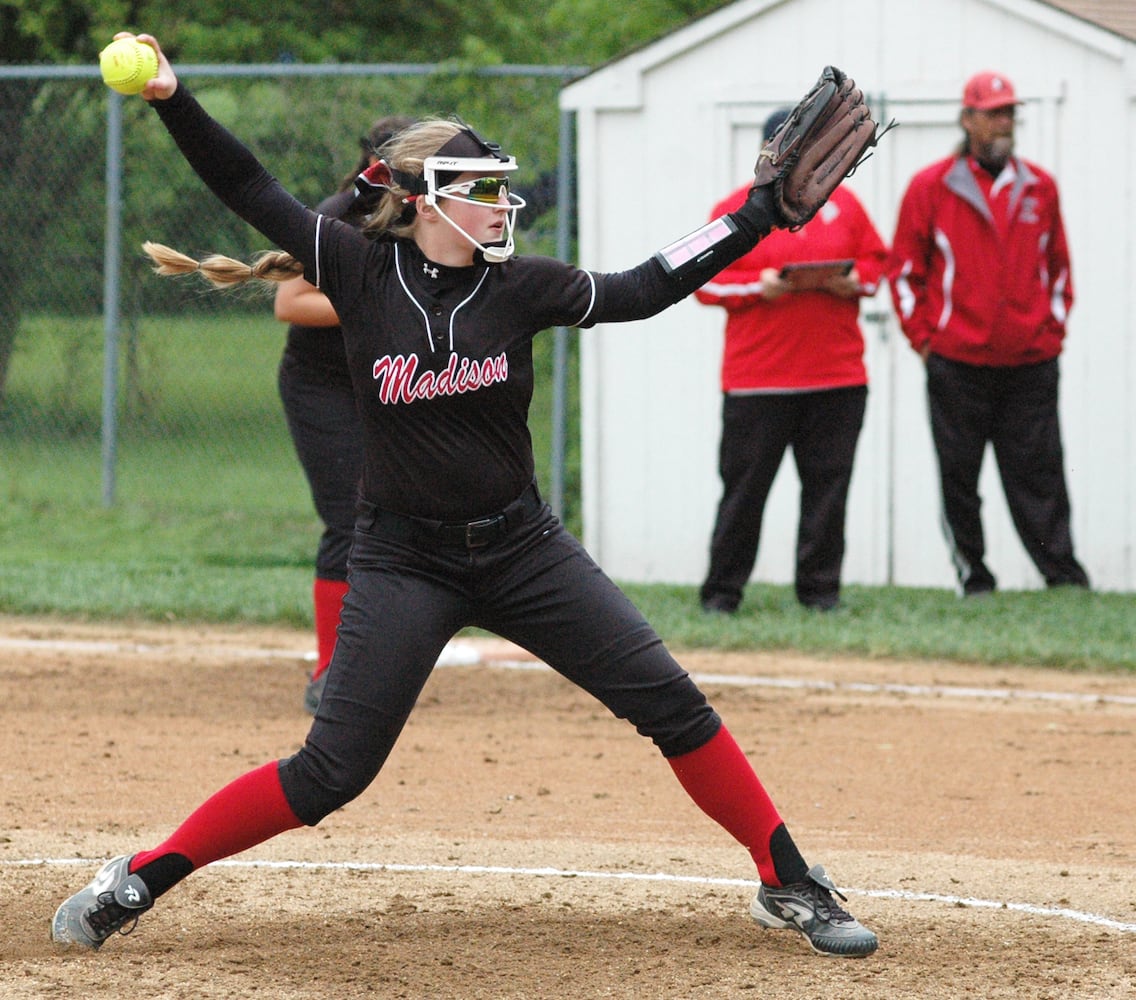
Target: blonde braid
x=221, y=271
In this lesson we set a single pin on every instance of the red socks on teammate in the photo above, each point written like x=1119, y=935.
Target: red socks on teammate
x=327, y=597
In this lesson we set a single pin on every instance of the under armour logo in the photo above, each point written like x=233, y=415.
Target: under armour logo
x=132, y=895
x=430, y=272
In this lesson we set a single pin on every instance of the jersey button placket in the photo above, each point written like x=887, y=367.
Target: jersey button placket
x=437, y=311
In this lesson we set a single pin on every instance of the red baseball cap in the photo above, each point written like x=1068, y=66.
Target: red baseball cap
x=987, y=90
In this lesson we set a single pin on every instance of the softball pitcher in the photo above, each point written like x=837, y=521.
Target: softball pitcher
x=438, y=318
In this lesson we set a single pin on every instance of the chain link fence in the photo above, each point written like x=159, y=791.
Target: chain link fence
x=120, y=387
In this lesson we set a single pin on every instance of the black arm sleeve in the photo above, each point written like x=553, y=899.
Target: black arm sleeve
x=236, y=177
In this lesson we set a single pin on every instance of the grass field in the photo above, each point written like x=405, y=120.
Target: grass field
x=212, y=521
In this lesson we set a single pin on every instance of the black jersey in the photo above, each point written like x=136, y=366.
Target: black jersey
x=319, y=350
x=440, y=357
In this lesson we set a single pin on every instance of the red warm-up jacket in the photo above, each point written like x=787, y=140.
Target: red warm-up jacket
x=802, y=340
x=979, y=268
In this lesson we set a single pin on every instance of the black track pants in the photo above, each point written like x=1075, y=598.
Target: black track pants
x=822, y=429
x=1015, y=410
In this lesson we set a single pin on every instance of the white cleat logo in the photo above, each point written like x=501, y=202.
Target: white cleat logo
x=133, y=896
x=798, y=914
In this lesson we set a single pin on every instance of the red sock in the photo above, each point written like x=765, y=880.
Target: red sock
x=723, y=785
x=244, y=813
x=327, y=596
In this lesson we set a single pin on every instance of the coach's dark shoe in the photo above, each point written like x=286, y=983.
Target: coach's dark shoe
x=113, y=901
x=1064, y=583
x=313, y=693
x=979, y=582
x=808, y=907
x=718, y=605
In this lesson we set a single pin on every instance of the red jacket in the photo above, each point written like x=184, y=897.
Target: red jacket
x=980, y=286
x=802, y=340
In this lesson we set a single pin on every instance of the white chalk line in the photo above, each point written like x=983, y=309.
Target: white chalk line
x=454, y=655
x=464, y=654
x=936, y=690
x=1031, y=909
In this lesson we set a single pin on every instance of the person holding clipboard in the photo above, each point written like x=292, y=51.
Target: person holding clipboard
x=793, y=376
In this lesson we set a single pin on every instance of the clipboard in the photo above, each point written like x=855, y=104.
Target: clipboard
x=810, y=275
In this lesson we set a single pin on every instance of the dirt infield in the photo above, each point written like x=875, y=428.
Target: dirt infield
x=522, y=844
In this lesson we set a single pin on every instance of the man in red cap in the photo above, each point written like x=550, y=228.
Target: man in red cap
x=980, y=277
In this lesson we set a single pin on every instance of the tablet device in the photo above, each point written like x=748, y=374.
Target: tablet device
x=812, y=274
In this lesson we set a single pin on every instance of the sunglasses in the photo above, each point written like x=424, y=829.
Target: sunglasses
x=486, y=190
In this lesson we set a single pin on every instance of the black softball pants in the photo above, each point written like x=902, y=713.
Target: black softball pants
x=1014, y=409
x=535, y=586
x=822, y=428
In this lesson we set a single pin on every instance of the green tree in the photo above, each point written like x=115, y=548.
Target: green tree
x=581, y=32
x=585, y=31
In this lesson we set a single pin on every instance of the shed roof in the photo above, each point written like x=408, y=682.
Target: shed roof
x=1118, y=16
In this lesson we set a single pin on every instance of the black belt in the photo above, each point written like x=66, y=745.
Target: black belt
x=465, y=534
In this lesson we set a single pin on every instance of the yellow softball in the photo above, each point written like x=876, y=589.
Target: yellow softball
x=127, y=65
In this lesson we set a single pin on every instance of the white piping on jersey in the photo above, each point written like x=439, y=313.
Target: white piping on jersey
x=591, y=301
x=420, y=308
x=410, y=295
x=418, y=305
x=319, y=233
x=468, y=298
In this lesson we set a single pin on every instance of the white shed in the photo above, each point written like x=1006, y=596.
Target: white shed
x=667, y=130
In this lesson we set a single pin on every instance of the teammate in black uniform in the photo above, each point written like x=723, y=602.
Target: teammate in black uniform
x=319, y=405
x=438, y=319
